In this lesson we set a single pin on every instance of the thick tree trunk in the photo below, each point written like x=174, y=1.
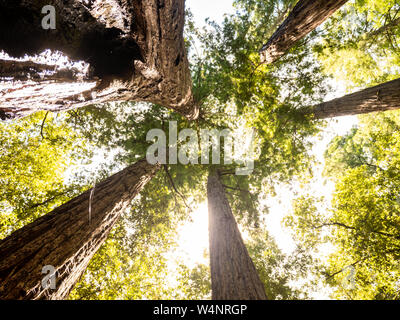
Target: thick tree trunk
x=304, y=18
x=380, y=98
x=233, y=274
x=67, y=238
x=135, y=50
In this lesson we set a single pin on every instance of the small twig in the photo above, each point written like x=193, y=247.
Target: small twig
x=48, y=200
x=342, y=270
x=236, y=189
x=42, y=126
x=226, y=172
x=255, y=68
x=175, y=189
x=175, y=199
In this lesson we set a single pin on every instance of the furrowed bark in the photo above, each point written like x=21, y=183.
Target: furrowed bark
x=233, y=274
x=304, y=18
x=67, y=238
x=383, y=97
x=135, y=50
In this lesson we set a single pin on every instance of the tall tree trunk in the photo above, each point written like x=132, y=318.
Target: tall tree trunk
x=304, y=18
x=233, y=274
x=383, y=97
x=135, y=49
x=67, y=238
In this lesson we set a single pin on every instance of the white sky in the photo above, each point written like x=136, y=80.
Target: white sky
x=214, y=9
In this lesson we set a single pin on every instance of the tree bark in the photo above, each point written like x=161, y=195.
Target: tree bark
x=304, y=18
x=233, y=274
x=67, y=238
x=383, y=97
x=135, y=49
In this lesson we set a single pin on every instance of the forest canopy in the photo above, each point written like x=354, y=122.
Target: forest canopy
x=77, y=193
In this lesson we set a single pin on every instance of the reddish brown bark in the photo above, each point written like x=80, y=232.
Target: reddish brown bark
x=233, y=274
x=304, y=18
x=135, y=49
x=383, y=97
x=67, y=238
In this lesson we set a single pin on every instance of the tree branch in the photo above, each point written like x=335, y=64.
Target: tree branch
x=174, y=187
x=342, y=270
x=383, y=97
x=42, y=126
x=304, y=18
x=339, y=224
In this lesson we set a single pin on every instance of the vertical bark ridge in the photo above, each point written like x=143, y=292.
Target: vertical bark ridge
x=233, y=274
x=66, y=238
x=383, y=97
x=304, y=18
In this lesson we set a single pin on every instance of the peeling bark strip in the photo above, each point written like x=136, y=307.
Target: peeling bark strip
x=135, y=49
x=65, y=239
x=383, y=97
x=304, y=18
x=233, y=274
x=28, y=70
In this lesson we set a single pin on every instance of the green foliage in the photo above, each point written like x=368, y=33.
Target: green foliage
x=359, y=45
x=230, y=80
x=279, y=272
x=273, y=100
x=131, y=265
x=363, y=222
x=35, y=155
x=193, y=284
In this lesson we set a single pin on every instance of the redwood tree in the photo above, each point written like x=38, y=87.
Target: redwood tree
x=233, y=274
x=67, y=238
x=304, y=18
x=383, y=97
x=136, y=53
x=135, y=50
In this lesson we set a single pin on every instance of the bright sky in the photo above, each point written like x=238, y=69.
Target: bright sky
x=214, y=9
x=193, y=237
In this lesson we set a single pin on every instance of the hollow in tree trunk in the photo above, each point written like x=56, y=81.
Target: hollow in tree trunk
x=135, y=50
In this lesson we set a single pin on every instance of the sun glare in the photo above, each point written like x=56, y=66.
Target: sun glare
x=193, y=237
